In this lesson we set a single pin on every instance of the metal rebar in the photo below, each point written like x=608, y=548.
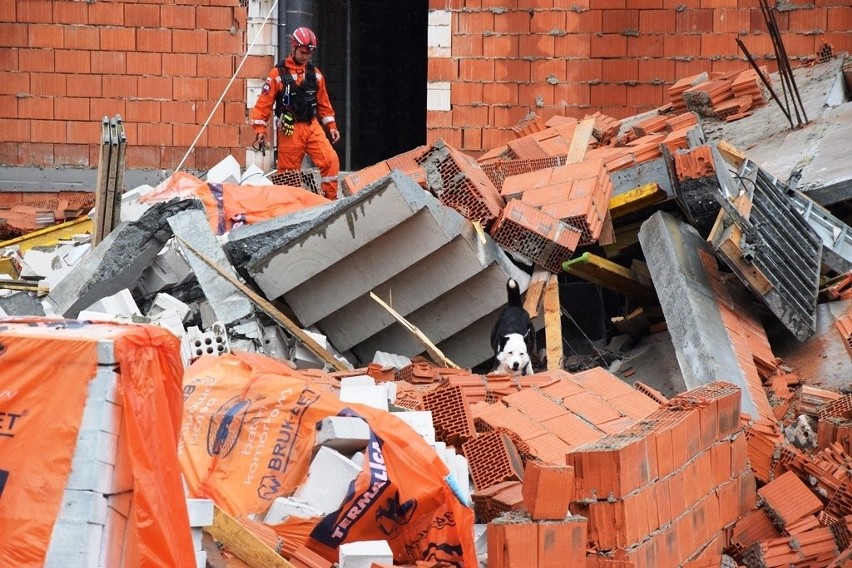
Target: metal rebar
x=792, y=78
x=754, y=66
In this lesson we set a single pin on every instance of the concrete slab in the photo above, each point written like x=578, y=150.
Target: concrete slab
x=228, y=304
x=807, y=152
x=703, y=348
x=118, y=261
x=355, y=222
x=821, y=361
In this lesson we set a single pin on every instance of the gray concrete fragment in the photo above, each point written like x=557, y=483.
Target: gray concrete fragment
x=118, y=261
x=229, y=305
x=701, y=342
x=649, y=171
x=21, y=304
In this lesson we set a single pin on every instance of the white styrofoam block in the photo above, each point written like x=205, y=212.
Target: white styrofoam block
x=200, y=512
x=104, y=386
x=390, y=391
x=346, y=434
x=375, y=396
x=440, y=17
x=96, y=445
x=462, y=475
x=197, y=534
x=441, y=450
x=480, y=538
x=438, y=95
x=420, y=421
x=83, y=507
x=363, y=553
x=255, y=175
x=39, y=263
x=73, y=254
x=90, y=475
x=171, y=321
x=69, y=537
x=358, y=381
x=358, y=459
x=284, y=507
x=200, y=559
x=75, y=559
x=329, y=476
x=166, y=302
x=101, y=414
x=119, y=304
x=226, y=171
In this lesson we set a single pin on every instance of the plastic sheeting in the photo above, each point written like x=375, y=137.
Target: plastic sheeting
x=45, y=370
x=248, y=436
x=229, y=205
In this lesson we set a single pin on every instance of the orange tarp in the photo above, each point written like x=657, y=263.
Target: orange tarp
x=46, y=366
x=248, y=436
x=229, y=205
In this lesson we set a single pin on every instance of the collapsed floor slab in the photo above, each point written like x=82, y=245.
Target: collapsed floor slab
x=393, y=239
x=702, y=344
x=118, y=261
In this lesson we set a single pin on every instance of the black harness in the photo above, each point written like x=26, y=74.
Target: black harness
x=300, y=100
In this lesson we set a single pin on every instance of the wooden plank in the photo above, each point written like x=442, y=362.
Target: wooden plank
x=109, y=191
x=635, y=324
x=612, y=276
x=731, y=154
x=635, y=200
x=728, y=246
x=118, y=190
x=270, y=310
x=580, y=141
x=535, y=291
x=101, y=183
x=553, y=324
x=242, y=543
x=431, y=348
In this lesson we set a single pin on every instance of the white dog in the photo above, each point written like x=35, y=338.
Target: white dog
x=513, y=336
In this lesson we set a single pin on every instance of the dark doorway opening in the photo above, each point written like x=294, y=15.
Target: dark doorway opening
x=375, y=50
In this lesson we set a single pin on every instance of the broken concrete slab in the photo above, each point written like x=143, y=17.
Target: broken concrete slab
x=118, y=261
x=20, y=304
x=228, y=304
x=702, y=345
x=810, y=158
x=393, y=239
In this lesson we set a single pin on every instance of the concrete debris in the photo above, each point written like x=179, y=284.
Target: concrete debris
x=700, y=414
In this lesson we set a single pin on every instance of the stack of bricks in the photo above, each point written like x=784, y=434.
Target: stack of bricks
x=459, y=182
x=749, y=84
x=308, y=179
x=835, y=424
x=405, y=162
x=497, y=499
x=562, y=204
x=844, y=328
x=679, y=87
x=792, y=505
x=451, y=415
x=664, y=491
x=546, y=535
x=575, y=410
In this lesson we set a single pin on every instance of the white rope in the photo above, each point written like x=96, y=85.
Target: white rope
x=228, y=86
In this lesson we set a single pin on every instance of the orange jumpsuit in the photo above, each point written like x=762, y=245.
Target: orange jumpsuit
x=307, y=137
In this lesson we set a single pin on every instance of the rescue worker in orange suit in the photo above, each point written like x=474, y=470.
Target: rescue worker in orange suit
x=296, y=91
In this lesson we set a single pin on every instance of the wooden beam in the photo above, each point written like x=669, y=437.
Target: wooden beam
x=242, y=543
x=431, y=348
x=535, y=290
x=553, y=323
x=580, y=141
x=270, y=310
x=635, y=200
x=612, y=276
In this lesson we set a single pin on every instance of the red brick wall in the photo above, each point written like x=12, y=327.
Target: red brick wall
x=511, y=57
x=160, y=65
